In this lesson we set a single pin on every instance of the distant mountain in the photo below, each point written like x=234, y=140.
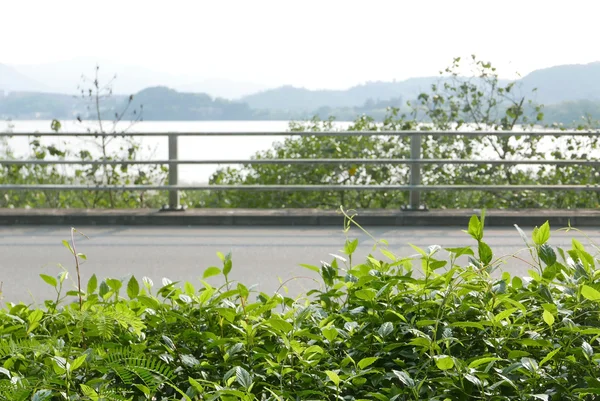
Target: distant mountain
x=12, y=80
x=65, y=76
x=565, y=83
x=289, y=98
x=223, y=88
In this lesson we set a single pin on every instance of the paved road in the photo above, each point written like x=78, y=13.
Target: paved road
x=260, y=255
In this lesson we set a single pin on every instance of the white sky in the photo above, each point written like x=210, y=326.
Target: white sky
x=312, y=43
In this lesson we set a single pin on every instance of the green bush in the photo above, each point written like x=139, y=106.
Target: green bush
x=376, y=330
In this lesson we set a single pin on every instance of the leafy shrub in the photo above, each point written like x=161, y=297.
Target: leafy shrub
x=382, y=329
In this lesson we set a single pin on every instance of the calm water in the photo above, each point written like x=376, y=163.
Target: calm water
x=190, y=148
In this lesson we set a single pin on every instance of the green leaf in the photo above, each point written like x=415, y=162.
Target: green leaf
x=114, y=284
x=92, y=284
x=311, y=267
x=211, y=271
x=475, y=228
x=517, y=283
x=366, y=294
x=504, y=314
x=541, y=235
x=78, y=362
x=482, y=361
x=444, y=362
x=549, y=356
x=350, y=246
x=404, y=378
x=590, y=293
x=243, y=377
x=485, y=253
x=333, y=377
x=587, y=350
x=197, y=386
x=458, y=252
x=42, y=395
x=547, y=254
x=386, y=329
x=133, y=288
x=227, y=265
x=366, y=362
x=280, y=325
x=49, y=279
x=330, y=333
x=68, y=246
x=548, y=318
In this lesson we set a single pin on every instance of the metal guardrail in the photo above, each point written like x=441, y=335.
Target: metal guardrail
x=415, y=188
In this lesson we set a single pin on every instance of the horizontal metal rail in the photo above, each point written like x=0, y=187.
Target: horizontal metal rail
x=415, y=163
x=304, y=161
x=323, y=187
x=309, y=133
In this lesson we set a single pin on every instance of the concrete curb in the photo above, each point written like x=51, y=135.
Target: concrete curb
x=293, y=217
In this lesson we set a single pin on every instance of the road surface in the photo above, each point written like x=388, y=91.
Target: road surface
x=261, y=255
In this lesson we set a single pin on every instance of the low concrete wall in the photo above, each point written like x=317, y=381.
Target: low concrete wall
x=293, y=217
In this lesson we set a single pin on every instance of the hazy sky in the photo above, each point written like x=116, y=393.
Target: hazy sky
x=312, y=43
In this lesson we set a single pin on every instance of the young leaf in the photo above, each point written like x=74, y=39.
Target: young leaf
x=333, y=377
x=92, y=284
x=133, y=288
x=590, y=293
x=211, y=271
x=49, y=279
x=366, y=362
x=548, y=318
x=475, y=228
x=311, y=267
x=444, y=362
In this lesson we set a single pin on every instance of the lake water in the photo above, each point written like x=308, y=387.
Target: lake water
x=190, y=148
x=201, y=148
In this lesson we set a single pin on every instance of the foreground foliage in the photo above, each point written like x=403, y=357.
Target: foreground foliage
x=376, y=330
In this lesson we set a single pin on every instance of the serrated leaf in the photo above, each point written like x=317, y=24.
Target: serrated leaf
x=485, y=253
x=133, y=288
x=49, y=280
x=548, y=318
x=547, y=254
x=475, y=228
x=211, y=271
x=92, y=284
x=366, y=362
x=529, y=364
x=404, y=378
x=243, y=377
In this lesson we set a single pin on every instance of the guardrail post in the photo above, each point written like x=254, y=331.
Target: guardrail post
x=173, y=174
x=415, y=172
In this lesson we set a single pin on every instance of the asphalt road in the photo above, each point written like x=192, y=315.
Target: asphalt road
x=261, y=256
